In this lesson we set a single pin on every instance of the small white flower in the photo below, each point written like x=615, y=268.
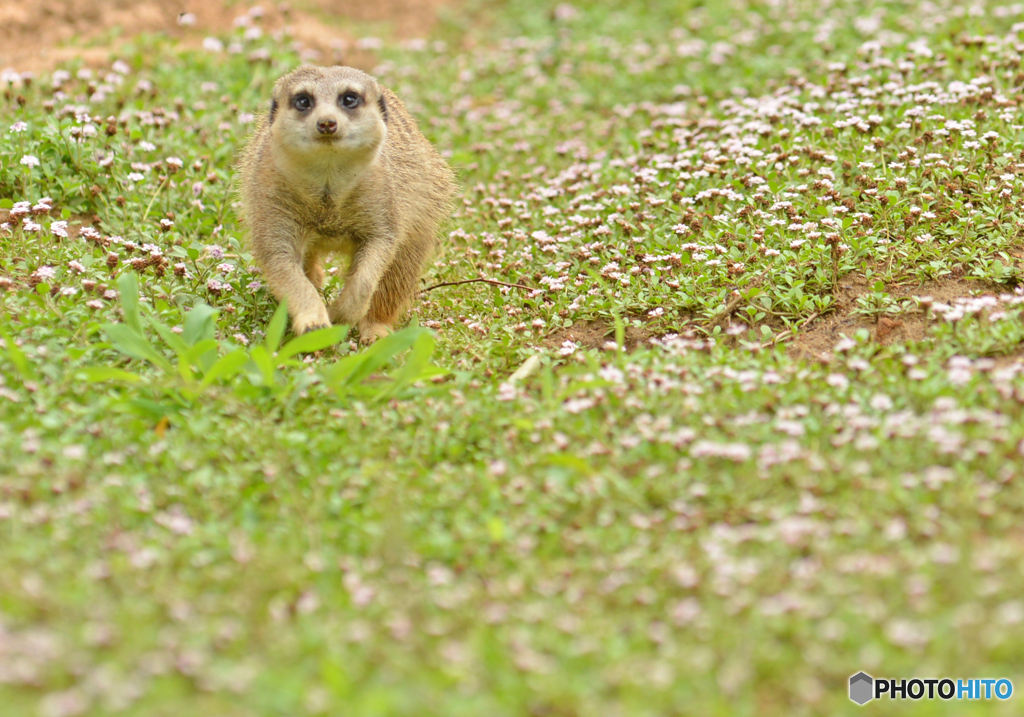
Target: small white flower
x=19, y=127
x=837, y=380
x=568, y=348
x=506, y=392
x=369, y=43
x=30, y=161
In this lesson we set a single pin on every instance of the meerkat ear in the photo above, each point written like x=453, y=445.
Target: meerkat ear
x=273, y=111
x=383, y=108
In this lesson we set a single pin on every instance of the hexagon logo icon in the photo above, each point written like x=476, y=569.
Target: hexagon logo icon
x=861, y=688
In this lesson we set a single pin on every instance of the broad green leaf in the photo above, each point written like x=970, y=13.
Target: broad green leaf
x=263, y=362
x=336, y=375
x=17, y=357
x=415, y=364
x=275, y=330
x=568, y=460
x=131, y=343
x=433, y=371
x=200, y=324
x=251, y=393
x=226, y=367
x=99, y=374
x=172, y=339
x=147, y=407
x=203, y=354
x=312, y=341
x=128, y=288
x=384, y=350
x=620, y=332
x=198, y=349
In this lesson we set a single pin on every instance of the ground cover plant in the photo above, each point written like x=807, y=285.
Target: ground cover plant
x=736, y=414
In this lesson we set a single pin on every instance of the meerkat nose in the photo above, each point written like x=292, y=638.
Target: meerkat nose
x=327, y=126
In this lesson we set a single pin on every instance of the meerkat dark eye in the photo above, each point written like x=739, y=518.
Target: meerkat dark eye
x=350, y=100
x=302, y=102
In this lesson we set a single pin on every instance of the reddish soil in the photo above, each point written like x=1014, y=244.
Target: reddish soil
x=818, y=338
x=36, y=35
x=594, y=334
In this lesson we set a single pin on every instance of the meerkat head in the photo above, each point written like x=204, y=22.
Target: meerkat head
x=324, y=113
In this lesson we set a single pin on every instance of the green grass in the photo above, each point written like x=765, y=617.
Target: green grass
x=496, y=513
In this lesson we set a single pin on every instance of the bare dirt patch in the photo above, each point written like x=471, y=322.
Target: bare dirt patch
x=37, y=36
x=595, y=333
x=817, y=339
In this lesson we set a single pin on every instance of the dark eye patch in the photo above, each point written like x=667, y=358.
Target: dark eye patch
x=350, y=100
x=303, y=102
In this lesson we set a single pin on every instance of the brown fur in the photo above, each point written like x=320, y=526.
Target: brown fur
x=372, y=188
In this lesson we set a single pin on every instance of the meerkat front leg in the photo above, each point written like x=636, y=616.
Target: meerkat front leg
x=394, y=292
x=289, y=277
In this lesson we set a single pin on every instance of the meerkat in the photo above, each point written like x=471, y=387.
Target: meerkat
x=339, y=165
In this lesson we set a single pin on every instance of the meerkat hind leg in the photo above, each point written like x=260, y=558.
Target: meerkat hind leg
x=314, y=270
x=396, y=289
x=362, y=281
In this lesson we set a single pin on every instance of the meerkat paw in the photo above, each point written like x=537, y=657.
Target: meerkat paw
x=370, y=331
x=310, y=321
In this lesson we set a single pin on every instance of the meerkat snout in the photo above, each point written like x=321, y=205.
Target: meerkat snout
x=327, y=125
x=339, y=165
